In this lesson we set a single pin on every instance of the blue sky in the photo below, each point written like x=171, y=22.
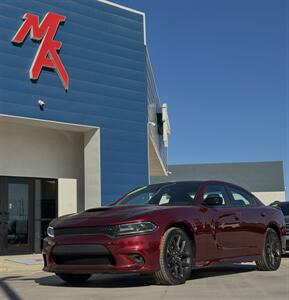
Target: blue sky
x=222, y=66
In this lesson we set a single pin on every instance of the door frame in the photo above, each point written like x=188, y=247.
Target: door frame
x=4, y=181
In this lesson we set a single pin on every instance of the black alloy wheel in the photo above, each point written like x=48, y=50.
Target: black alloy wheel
x=176, y=255
x=271, y=258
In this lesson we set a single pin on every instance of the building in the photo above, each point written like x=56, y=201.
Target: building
x=263, y=179
x=81, y=122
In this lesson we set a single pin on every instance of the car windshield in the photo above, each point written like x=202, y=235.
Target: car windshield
x=171, y=194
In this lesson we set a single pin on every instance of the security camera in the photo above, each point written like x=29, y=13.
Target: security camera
x=41, y=104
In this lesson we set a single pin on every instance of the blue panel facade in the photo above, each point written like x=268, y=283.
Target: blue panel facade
x=104, y=54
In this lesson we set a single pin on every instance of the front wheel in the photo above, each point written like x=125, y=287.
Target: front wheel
x=74, y=278
x=176, y=255
x=271, y=257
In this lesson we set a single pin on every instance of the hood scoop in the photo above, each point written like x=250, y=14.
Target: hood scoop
x=98, y=209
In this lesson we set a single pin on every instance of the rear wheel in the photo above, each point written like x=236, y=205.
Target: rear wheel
x=74, y=278
x=271, y=258
x=176, y=255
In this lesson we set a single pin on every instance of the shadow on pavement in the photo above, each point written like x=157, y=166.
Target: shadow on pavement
x=103, y=281
x=222, y=270
x=136, y=280
x=8, y=291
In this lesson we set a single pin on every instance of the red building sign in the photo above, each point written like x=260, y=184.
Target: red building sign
x=47, y=53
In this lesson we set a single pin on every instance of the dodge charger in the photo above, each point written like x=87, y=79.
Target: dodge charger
x=167, y=230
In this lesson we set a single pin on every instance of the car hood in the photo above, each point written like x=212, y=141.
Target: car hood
x=107, y=215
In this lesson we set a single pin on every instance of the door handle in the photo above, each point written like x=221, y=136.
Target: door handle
x=263, y=214
x=236, y=218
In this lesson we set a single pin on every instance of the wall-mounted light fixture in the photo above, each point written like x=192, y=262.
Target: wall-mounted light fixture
x=41, y=104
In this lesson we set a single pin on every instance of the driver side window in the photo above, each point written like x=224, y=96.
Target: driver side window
x=216, y=190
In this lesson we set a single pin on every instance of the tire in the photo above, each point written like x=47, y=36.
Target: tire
x=74, y=278
x=176, y=256
x=271, y=256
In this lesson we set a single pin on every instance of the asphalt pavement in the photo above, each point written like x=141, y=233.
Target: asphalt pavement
x=240, y=281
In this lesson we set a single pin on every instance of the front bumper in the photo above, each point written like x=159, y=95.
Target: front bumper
x=101, y=254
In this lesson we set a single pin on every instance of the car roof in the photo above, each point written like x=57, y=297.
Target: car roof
x=196, y=181
x=202, y=182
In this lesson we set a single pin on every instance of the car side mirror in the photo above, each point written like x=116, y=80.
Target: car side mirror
x=213, y=200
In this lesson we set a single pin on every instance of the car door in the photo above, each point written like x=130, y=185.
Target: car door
x=252, y=220
x=225, y=224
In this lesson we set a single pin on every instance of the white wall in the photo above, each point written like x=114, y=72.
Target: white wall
x=92, y=185
x=269, y=197
x=67, y=196
x=37, y=151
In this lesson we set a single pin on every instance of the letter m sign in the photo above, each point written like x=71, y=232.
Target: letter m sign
x=47, y=53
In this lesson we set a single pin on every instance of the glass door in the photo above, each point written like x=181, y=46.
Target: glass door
x=16, y=206
x=45, y=209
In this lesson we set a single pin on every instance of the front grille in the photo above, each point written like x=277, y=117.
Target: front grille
x=107, y=230
x=88, y=260
x=82, y=254
x=287, y=228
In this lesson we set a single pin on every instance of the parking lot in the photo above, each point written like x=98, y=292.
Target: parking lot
x=226, y=282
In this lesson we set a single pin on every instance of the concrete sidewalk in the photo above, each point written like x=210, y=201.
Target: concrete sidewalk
x=228, y=282
x=20, y=263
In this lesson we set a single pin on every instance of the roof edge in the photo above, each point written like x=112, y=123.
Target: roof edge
x=130, y=10
x=122, y=7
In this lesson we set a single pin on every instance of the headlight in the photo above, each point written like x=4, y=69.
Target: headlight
x=135, y=228
x=50, y=231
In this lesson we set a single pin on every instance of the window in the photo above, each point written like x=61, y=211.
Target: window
x=219, y=190
x=241, y=198
x=165, y=199
x=171, y=194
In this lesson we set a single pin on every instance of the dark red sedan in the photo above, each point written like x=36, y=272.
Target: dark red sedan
x=167, y=230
